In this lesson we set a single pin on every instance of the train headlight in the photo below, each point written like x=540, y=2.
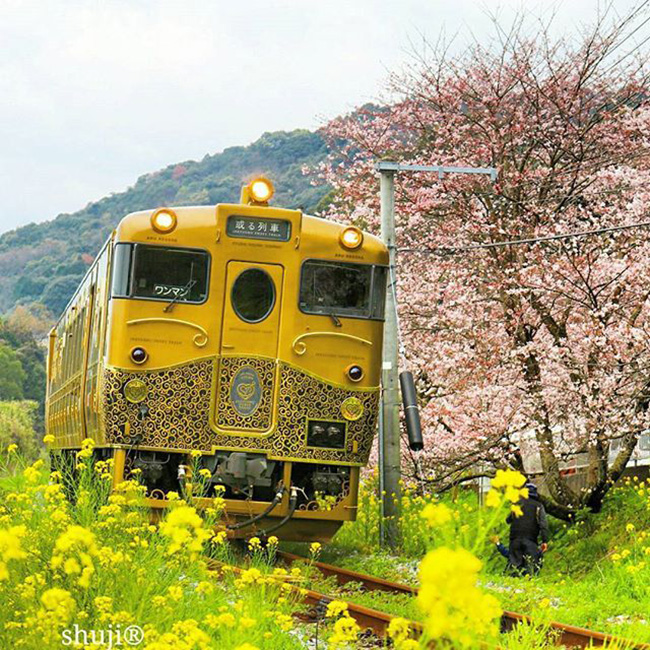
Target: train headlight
x=139, y=355
x=163, y=220
x=351, y=238
x=261, y=190
x=354, y=373
x=135, y=391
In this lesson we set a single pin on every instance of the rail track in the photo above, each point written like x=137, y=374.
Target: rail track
x=565, y=635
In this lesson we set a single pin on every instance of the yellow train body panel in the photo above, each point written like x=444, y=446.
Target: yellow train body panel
x=248, y=333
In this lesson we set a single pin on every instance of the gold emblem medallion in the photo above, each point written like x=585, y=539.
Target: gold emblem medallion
x=352, y=408
x=135, y=391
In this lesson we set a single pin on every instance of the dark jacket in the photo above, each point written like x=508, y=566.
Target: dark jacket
x=532, y=522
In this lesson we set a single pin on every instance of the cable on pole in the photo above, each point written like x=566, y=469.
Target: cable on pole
x=454, y=250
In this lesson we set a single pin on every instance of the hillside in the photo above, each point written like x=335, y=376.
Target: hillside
x=44, y=262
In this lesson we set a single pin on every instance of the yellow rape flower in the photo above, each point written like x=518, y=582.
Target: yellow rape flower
x=204, y=587
x=184, y=529
x=32, y=473
x=493, y=499
x=251, y=576
x=399, y=629
x=284, y=622
x=508, y=478
x=59, y=603
x=516, y=510
x=10, y=548
x=103, y=603
x=87, y=447
x=220, y=537
x=185, y=635
x=73, y=552
x=226, y=620
x=437, y=514
x=455, y=608
x=336, y=608
x=48, y=439
x=513, y=494
x=346, y=630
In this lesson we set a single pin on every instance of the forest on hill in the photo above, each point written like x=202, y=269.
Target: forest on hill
x=41, y=264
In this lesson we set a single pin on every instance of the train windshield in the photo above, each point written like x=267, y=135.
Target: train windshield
x=342, y=289
x=160, y=273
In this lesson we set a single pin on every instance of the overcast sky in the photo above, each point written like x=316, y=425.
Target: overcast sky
x=96, y=93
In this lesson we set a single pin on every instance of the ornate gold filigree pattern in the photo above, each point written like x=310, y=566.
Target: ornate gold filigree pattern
x=178, y=404
x=303, y=397
x=179, y=411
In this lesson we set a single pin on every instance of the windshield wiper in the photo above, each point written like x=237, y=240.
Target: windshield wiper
x=186, y=289
x=318, y=292
x=336, y=320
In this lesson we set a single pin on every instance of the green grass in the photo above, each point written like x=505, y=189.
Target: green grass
x=99, y=563
x=596, y=574
x=582, y=582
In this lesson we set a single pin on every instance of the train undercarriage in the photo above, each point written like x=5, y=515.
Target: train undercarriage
x=292, y=500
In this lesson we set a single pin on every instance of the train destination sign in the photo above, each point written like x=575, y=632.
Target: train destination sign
x=257, y=228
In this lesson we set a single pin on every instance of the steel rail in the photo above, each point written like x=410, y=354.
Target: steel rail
x=567, y=635
x=367, y=618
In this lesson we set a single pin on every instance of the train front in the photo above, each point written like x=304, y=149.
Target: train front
x=246, y=339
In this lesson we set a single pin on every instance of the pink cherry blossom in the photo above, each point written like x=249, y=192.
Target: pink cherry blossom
x=544, y=348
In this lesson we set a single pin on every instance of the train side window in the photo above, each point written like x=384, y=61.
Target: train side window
x=342, y=289
x=253, y=295
x=121, y=284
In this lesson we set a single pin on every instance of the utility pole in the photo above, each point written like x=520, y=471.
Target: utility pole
x=389, y=451
x=390, y=472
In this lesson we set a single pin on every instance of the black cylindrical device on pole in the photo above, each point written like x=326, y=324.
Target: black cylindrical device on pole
x=411, y=412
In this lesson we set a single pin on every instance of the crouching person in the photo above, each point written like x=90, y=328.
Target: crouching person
x=524, y=554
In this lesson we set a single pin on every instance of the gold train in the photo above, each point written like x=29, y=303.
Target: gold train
x=248, y=334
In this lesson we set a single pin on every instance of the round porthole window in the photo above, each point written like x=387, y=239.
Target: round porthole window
x=253, y=295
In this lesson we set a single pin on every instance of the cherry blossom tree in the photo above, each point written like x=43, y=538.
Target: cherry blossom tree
x=528, y=349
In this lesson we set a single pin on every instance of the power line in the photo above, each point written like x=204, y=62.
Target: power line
x=452, y=250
